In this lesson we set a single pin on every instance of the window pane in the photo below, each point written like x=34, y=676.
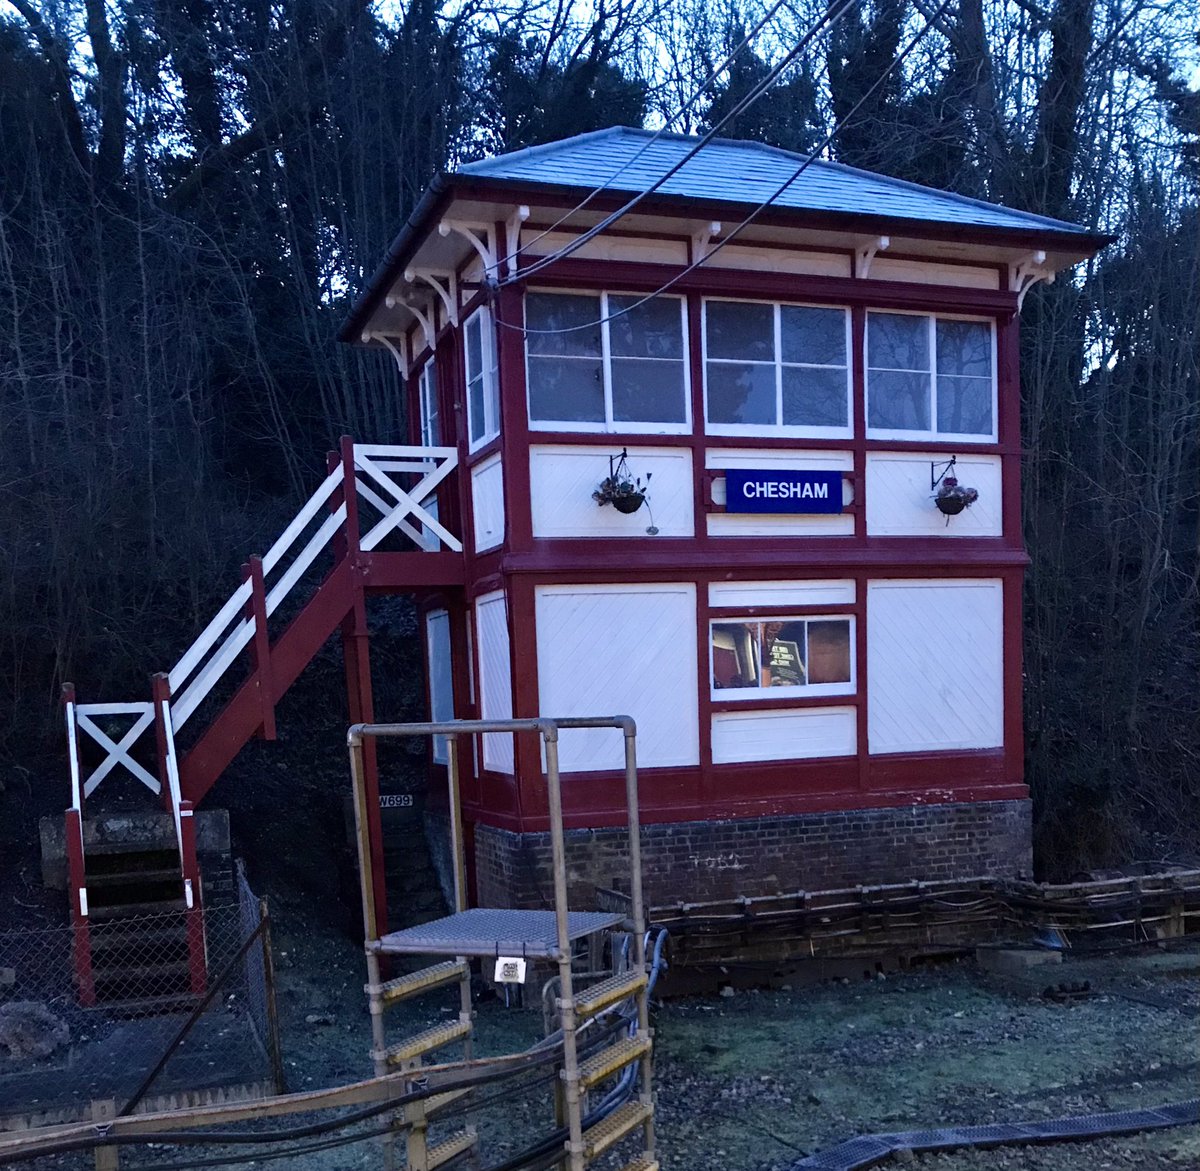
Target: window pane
x=475, y=408
x=898, y=341
x=783, y=652
x=964, y=406
x=652, y=330
x=474, y=347
x=568, y=390
x=964, y=347
x=737, y=329
x=813, y=335
x=814, y=397
x=735, y=660
x=739, y=392
x=898, y=401
x=829, y=652
x=431, y=432
x=560, y=311
x=645, y=391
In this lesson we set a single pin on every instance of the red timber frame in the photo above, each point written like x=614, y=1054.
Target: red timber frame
x=521, y=563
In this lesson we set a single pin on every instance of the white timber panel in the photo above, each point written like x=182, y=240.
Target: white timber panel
x=646, y=251
x=935, y=665
x=562, y=480
x=779, y=260
x=628, y=650
x=780, y=593
x=495, y=678
x=441, y=687
x=795, y=734
x=727, y=524
x=923, y=272
x=487, y=503
x=900, y=502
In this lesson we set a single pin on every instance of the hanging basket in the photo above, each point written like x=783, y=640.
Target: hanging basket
x=620, y=488
x=952, y=497
x=629, y=504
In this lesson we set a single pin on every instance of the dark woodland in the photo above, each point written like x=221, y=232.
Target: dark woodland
x=191, y=192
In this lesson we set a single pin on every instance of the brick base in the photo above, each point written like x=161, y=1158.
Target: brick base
x=710, y=860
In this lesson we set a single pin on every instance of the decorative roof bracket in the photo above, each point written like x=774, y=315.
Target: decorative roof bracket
x=1026, y=273
x=400, y=353
x=512, y=239
x=701, y=240
x=481, y=237
x=445, y=284
x=423, y=315
x=866, y=254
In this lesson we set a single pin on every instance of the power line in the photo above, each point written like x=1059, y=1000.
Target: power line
x=714, y=73
x=828, y=19
x=727, y=239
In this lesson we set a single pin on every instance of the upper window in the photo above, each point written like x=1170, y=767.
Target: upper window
x=801, y=656
x=930, y=376
x=776, y=368
x=431, y=426
x=483, y=387
x=602, y=362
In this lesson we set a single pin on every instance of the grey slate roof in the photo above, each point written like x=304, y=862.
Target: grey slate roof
x=728, y=171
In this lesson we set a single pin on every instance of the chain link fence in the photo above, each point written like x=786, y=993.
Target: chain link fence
x=138, y=1012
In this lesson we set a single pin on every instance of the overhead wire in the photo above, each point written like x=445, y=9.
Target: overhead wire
x=728, y=238
x=827, y=20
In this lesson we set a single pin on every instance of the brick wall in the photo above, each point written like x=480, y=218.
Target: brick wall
x=702, y=860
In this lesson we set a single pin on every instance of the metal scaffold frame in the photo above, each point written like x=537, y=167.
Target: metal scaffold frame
x=481, y=932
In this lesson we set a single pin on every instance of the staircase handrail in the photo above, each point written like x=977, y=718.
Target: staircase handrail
x=73, y=757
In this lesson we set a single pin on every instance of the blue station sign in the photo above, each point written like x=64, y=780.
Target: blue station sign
x=761, y=490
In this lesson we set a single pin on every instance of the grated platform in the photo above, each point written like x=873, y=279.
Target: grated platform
x=483, y=931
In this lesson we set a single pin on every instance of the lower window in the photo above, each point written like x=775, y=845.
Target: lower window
x=802, y=656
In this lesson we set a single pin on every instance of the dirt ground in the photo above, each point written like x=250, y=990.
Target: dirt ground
x=757, y=1080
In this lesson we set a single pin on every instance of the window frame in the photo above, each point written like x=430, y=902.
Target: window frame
x=489, y=372
x=759, y=693
x=932, y=434
x=611, y=426
x=780, y=430
x=424, y=397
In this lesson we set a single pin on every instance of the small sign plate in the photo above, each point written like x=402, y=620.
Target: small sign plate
x=510, y=970
x=395, y=800
x=770, y=490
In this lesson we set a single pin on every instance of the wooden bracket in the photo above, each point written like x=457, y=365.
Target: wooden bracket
x=1026, y=273
x=865, y=255
x=445, y=284
x=702, y=238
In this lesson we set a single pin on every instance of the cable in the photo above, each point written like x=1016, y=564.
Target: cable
x=716, y=72
x=747, y=100
x=727, y=239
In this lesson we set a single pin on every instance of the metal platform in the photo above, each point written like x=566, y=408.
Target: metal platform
x=483, y=931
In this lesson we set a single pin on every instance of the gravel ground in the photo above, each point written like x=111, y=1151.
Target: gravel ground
x=757, y=1080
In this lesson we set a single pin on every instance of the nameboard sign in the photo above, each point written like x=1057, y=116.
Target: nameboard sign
x=395, y=801
x=762, y=490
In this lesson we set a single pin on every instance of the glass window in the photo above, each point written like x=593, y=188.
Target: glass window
x=929, y=375
x=483, y=385
x=431, y=428
x=776, y=367
x=806, y=655
x=616, y=364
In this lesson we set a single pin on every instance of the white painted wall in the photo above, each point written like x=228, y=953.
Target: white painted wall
x=563, y=478
x=646, y=251
x=780, y=260
x=796, y=734
x=924, y=272
x=441, y=689
x=724, y=524
x=487, y=503
x=935, y=659
x=621, y=650
x=900, y=503
x=781, y=593
x=495, y=678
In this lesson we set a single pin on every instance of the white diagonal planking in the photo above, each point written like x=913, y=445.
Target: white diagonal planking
x=495, y=678
x=628, y=650
x=935, y=664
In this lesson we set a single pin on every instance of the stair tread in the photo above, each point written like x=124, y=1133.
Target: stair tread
x=610, y=1130
x=451, y=1148
x=132, y=877
x=423, y=980
x=110, y=911
x=608, y=1061
x=427, y=1041
x=642, y=1163
x=440, y=1102
x=608, y=992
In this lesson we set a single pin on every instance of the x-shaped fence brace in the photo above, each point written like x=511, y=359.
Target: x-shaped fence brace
x=116, y=753
x=410, y=503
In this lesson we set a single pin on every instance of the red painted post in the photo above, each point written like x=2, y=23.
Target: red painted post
x=80, y=933
x=194, y=914
x=260, y=646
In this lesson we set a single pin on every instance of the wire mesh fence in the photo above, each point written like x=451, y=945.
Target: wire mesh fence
x=143, y=1011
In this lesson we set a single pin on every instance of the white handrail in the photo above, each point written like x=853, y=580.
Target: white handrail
x=273, y=555
x=173, y=779
x=203, y=644
x=73, y=753
x=305, y=558
x=192, y=696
